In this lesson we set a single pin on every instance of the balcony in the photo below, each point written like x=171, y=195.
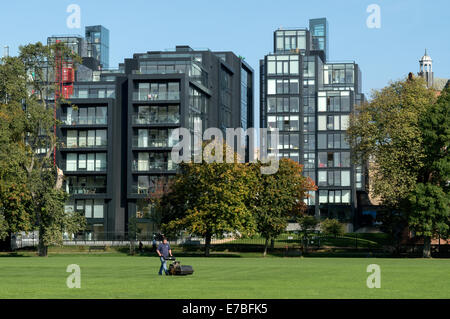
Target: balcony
x=101, y=168
x=142, y=166
x=83, y=120
x=86, y=190
x=160, y=142
x=98, y=95
x=156, y=119
x=156, y=96
x=141, y=190
x=102, y=144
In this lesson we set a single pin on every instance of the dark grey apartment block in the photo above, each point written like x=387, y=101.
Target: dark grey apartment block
x=116, y=128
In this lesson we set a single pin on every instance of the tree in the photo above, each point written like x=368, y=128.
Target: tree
x=427, y=206
x=306, y=223
x=386, y=132
x=15, y=200
x=393, y=223
x=44, y=178
x=132, y=232
x=332, y=227
x=32, y=196
x=209, y=199
x=278, y=198
x=405, y=134
x=428, y=213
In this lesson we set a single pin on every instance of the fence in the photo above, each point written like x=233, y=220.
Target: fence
x=293, y=242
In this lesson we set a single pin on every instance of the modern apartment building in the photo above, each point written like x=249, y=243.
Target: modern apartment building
x=116, y=128
x=309, y=99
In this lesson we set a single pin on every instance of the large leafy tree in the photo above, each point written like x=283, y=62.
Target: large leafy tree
x=32, y=197
x=404, y=133
x=428, y=204
x=386, y=132
x=209, y=199
x=15, y=200
x=278, y=198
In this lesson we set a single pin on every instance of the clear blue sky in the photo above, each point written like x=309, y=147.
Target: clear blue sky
x=246, y=26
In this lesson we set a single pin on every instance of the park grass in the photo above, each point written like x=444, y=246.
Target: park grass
x=112, y=275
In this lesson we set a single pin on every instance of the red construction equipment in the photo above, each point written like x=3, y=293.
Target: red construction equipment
x=64, y=79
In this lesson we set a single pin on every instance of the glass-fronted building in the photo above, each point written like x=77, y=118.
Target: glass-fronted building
x=116, y=129
x=309, y=100
x=97, y=43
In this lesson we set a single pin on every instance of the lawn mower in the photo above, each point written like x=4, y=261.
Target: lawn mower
x=176, y=269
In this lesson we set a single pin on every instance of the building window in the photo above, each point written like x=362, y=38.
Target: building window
x=91, y=208
x=86, y=162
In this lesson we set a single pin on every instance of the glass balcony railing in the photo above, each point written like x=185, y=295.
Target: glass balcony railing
x=85, y=190
x=161, y=142
x=156, y=96
x=99, y=95
x=156, y=119
x=89, y=168
x=83, y=120
x=138, y=189
x=142, y=166
x=66, y=144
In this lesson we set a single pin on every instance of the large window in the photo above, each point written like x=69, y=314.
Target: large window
x=334, y=196
x=288, y=40
x=153, y=91
x=286, y=86
x=334, y=101
x=92, y=208
x=93, y=91
x=332, y=141
x=153, y=138
x=338, y=74
x=149, y=184
x=283, y=104
x=282, y=64
x=333, y=122
x=85, y=184
x=86, y=162
x=288, y=141
x=334, y=178
x=334, y=159
x=84, y=115
x=147, y=161
x=86, y=138
x=157, y=114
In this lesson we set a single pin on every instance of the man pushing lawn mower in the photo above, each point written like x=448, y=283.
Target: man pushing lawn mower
x=175, y=268
x=164, y=251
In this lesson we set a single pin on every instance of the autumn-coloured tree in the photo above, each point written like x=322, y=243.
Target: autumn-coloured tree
x=278, y=198
x=209, y=199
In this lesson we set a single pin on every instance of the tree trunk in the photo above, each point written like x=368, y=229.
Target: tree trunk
x=266, y=245
x=207, y=244
x=42, y=248
x=426, y=247
x=5, y=244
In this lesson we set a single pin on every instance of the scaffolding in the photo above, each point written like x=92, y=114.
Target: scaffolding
x=64, y=80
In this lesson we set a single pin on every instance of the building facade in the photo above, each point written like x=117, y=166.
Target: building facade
x=116, y=128
x=309, y=100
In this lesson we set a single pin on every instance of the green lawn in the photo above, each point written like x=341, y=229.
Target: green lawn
x=117, y=276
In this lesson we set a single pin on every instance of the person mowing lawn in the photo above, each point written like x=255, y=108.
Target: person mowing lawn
x=163, y=252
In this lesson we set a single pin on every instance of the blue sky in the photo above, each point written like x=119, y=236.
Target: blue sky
x=246, y=27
